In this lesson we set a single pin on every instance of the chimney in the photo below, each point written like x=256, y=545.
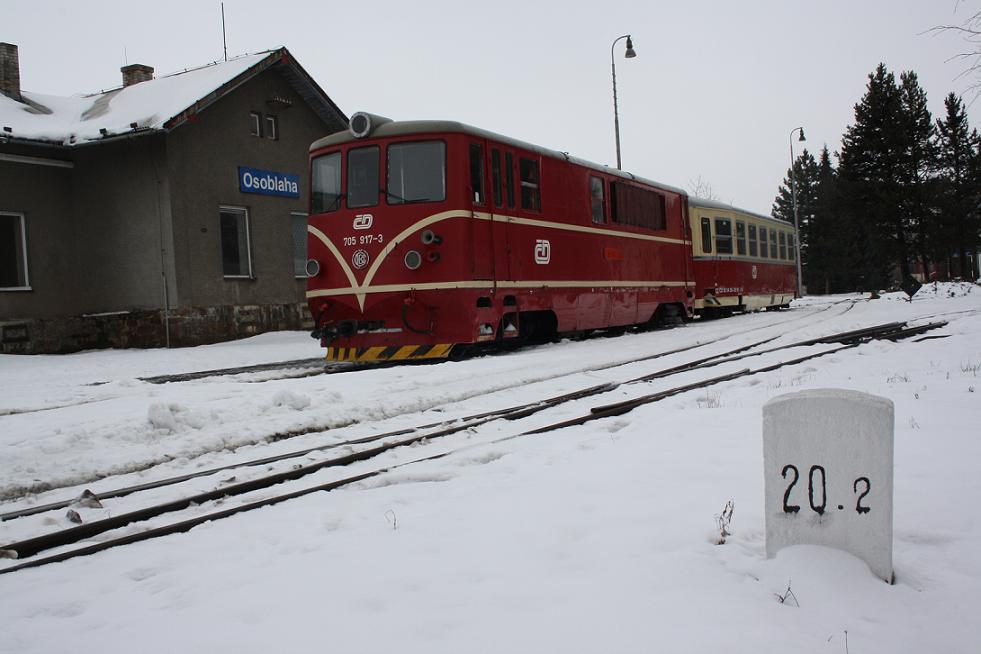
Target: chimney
x=9, y=71
x=136, y=73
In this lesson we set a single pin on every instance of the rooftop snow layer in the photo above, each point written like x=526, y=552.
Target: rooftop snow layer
x=149, y=104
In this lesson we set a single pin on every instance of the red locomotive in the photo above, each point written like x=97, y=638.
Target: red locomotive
x=428, y=237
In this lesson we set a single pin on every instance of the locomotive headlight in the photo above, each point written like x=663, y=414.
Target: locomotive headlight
x=362, y=123
x=313, y=267
x=413, y=259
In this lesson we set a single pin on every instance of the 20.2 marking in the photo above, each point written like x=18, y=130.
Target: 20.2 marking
x=818, y=472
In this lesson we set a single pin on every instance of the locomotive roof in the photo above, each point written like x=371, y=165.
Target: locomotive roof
x=408, y=127
x=715, y=204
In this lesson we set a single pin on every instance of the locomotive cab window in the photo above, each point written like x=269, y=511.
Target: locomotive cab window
x=723, y=236
x=477, y=172
x=530, y=179
x=764, y=251
x=325, y=182
x=416, y=172
x=597, y=200
x=753, y=249
x=706, y=236
x=362, y=177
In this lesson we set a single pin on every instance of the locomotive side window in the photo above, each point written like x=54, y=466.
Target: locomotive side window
x=477, y=172
x=740, y=237
x=597, y=200
x=723, y=236
x=764, y=252
x=783, y=245
x=773, y=243
x=325, y=180
x=509, y=178
x=638, y=207
x=362, y=177
x=496, y=177
x=530, y=192
x=706, y=236
x=416, y=172
x=753, y=249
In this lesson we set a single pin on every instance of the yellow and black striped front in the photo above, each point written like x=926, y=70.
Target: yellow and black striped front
x=392, y=353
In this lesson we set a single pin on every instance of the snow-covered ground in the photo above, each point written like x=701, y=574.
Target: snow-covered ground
x=598, y=538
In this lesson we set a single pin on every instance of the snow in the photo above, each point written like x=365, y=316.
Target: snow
x=597, y=538
x=150, y=104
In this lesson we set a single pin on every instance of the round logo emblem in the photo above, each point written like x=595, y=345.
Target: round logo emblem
x=754, y=272
x=360, y=259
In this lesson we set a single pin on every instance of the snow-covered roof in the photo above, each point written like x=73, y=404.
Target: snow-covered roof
x=157, y=104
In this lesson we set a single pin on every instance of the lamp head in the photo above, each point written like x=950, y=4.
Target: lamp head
x=801, y=134
x=630, y=54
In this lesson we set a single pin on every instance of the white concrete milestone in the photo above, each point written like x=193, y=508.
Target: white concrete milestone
x=828, y=465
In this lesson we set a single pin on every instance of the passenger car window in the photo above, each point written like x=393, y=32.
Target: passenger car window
x=740, y=237
x=706, y=236
x=723, y=236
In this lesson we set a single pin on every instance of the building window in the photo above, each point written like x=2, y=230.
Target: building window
x=255, y=124
x=530, y=179
x=706, y=236
x=13, y=253
x=740, y=238
x=362, y=177
x=723, y=236
x=597, y=200
x=236, y=256
x=298, y=224
x=272, y=127
x=753, y=247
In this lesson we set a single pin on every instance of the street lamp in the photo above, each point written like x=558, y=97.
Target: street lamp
x=629, y=54
x=793, y=196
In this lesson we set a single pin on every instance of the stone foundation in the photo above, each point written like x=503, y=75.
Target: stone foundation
x=187, y=326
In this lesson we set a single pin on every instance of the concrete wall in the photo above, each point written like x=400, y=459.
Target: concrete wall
x=204, y=157
x=43, y=195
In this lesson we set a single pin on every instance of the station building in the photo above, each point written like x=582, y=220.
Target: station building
x=169, y=211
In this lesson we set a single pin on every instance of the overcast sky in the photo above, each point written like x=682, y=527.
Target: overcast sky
x=713, y=93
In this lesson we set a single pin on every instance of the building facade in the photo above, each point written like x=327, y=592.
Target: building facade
x=170, y=211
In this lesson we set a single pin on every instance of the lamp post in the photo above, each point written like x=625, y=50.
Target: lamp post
x=793, y=197
x=629, y=54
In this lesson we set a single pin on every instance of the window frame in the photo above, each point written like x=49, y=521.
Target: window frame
x=783, y=245
x=752, y=237
x=256, y=128
x=347, y=178
x=774, y=253
x=593, y=197
x=23, y=252
x=741, y=238
x=340, y=197
x=723, y=239
x=297, y=273
x=707, y=239
x=764, y=243
x=395, y=201
x=243, y=211
x=533, y=184
x=272, y=123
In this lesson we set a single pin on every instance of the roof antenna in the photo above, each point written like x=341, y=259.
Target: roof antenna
x=125, y=57
x=224, y=42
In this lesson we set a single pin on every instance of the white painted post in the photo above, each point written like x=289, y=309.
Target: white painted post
x=828, y=465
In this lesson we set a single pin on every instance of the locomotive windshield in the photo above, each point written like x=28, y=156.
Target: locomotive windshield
x=326, y=182
x=416, y=172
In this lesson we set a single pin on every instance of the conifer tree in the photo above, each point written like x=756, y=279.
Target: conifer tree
x=917, y=162
x=959, y=170
x=868, y=182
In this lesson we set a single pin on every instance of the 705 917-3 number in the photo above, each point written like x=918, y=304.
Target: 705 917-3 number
x=818, y=472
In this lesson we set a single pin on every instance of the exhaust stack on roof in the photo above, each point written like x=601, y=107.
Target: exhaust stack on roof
x=136, y=73
x=9, y=71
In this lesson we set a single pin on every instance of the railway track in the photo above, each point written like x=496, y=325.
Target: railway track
x=383, y=443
